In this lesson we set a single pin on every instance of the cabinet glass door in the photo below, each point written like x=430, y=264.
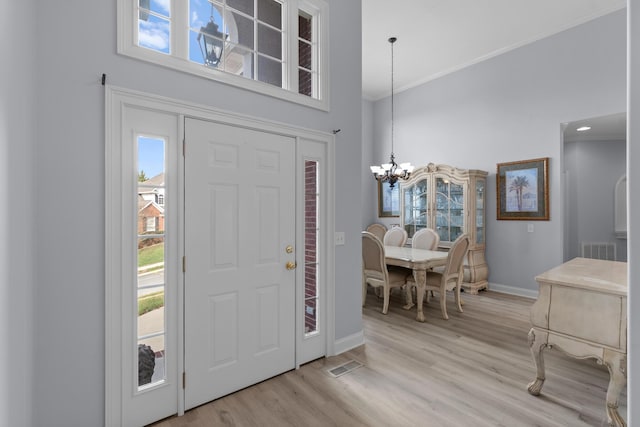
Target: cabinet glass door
x=480, y=211
x=416, y=202
x=449, y=209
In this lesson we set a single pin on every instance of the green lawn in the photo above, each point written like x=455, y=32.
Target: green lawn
x=151, y=255
x=150, y=302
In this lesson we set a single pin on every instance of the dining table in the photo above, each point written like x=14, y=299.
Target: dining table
x=418, y=260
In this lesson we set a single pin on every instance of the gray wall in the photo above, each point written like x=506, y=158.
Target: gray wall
x=592, y=169
x=369, y=198
x=16, y=213
x=52, y=130
x=510, y=108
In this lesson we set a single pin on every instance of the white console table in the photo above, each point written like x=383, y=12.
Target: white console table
x=582, y=310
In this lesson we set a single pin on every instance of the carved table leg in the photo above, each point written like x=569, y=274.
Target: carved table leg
x=420, y=277
x=617, y=365
x=537, y=343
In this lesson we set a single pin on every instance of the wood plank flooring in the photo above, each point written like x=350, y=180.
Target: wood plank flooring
x=471, y=370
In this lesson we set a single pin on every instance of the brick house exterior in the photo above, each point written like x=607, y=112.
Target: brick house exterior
x=150, y=217
x=151, y=205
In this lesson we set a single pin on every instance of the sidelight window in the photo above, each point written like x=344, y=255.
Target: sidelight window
x=311, y=239
x=150, y=238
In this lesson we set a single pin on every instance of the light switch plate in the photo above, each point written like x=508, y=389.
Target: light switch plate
x=530, y=228
x=339, y=238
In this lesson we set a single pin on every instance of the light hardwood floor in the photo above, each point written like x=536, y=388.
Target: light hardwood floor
x=471, y=370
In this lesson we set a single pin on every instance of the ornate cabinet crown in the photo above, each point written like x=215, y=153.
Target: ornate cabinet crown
x=451, y=202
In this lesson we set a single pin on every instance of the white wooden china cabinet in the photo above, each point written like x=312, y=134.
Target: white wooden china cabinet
x=450, y=201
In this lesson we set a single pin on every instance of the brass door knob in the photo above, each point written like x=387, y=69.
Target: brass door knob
x=291, y=265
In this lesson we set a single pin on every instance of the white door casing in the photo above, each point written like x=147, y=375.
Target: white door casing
x=119, y=125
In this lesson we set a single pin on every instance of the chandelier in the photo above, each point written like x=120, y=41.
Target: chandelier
x=391, y=171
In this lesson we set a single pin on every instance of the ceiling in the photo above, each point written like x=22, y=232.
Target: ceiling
x=606, y=128
x=437, y=37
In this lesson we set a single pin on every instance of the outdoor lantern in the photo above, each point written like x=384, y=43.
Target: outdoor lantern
x=211, y=42
x=144, y=9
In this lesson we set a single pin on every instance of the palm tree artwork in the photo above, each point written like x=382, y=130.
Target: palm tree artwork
x=519, y=184
x=523, y=189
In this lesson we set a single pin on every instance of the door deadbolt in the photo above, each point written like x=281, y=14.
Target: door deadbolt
x=289, y=249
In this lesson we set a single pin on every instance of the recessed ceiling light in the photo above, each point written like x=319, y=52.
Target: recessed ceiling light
x=583, y=128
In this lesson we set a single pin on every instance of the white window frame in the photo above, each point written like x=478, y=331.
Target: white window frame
x=177, y=59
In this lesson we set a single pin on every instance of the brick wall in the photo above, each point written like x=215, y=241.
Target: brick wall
x=310, y=245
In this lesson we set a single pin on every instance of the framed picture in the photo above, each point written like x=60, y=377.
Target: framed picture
x=388, y=200
x=522, y=190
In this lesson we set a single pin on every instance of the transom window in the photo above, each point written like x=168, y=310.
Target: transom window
x=275, y=47
x=241, y=37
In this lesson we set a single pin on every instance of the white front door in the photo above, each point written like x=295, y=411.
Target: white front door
x=239, y=236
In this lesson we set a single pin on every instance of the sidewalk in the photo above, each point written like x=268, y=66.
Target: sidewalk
x=150, y=323
x=150, y=267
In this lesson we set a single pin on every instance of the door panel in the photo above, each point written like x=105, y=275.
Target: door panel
x=239, y=296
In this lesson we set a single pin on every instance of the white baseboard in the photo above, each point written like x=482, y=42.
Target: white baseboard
x=512, y=290
x=347, y=343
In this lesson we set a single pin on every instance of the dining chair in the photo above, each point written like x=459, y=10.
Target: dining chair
x=451, y=277
x=396, y=236
x=375, y=272
x=425, y=238
x=377, y=230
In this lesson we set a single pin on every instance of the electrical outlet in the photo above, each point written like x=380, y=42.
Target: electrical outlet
x=339, y=238
x=530, y=228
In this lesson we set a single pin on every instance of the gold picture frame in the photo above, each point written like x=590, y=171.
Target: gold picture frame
x=522, y=190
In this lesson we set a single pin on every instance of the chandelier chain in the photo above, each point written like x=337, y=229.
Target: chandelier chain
x=392, y=40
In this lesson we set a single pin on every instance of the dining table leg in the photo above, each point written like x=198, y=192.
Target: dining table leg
x=420, y=277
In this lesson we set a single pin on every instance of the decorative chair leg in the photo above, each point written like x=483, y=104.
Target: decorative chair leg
x=458, y=298
x=364, y=291
x=385, y=305
x=443, y=302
